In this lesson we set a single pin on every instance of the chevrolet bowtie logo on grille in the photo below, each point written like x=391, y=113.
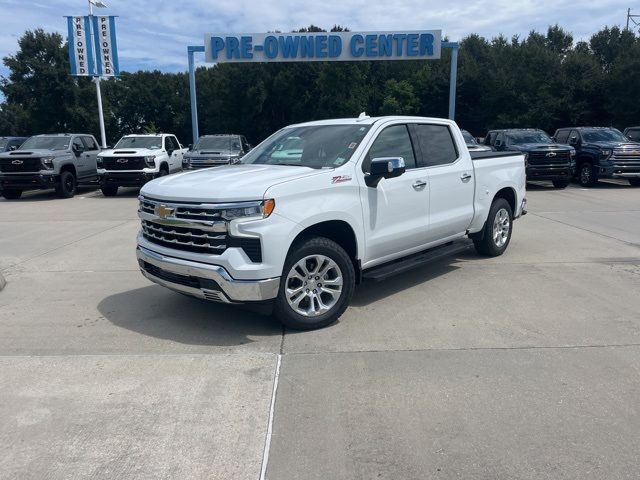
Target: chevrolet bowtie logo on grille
x=551, y=154
x=17, y=162
x=122, y=160
x=163, y=211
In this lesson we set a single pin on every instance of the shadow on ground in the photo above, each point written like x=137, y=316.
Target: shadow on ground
x=160, y=313
x=602, y=184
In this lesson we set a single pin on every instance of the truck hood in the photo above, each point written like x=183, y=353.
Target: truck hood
x=530, y=147
x=34, y=153
x=612, y=145
x=130, y=152
x=229, y=183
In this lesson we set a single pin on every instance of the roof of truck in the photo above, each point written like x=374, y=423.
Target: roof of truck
x=366, y=120
x=62, y=134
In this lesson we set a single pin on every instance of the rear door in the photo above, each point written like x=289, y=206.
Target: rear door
x=396, y=212
x=90, y=154
x=451, y=180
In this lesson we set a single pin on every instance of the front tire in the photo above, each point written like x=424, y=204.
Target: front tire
x=497, y=230
x=109, y=190
x=67, y=185
x=634, y=181
x=561, y=183
x=13, y=194
x=317, y=283
x=586, y=177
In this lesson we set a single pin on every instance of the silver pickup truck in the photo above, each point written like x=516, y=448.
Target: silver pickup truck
x=55, y=161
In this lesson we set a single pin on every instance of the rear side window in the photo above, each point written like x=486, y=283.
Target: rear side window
x=435, y=144
x=562, y=136
x=89, y=143
x=392, y=142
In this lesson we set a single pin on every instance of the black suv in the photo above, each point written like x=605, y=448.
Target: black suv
x=602, y=152
x=546, y=160
x=632, y=133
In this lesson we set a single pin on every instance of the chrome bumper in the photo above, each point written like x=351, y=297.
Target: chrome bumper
x=210, y=282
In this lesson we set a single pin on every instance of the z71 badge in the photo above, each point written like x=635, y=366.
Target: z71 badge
x=341, y=179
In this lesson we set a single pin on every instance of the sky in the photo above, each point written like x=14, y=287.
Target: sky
x=155, y=34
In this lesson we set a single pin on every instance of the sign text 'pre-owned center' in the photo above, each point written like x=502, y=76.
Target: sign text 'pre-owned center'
x=323, y=46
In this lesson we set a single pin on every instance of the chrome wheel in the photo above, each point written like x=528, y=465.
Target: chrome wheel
x=501, y=227
x=314, y=285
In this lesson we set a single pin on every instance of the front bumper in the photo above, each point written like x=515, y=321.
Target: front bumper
x=26, y=181
x=210, y=282
x=126, y=179
x=618, y=171
x=550, y=172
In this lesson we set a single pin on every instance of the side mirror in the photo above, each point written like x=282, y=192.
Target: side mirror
x=190, y=147
x=384, y=167
x=76, y=149
x=13, y=147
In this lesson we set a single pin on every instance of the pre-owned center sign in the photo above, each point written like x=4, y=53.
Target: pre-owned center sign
x=323, y=46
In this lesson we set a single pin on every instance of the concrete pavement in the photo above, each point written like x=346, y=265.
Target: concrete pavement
x=522, y=366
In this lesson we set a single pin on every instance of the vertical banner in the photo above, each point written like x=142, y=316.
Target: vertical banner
x=80, y=47
x=104, y=35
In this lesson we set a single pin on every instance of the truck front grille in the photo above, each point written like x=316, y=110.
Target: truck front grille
x=208, y=162
x=549, y=157
x=626, y=157
x=11, y=165
x=192, y=227
x=123, y=163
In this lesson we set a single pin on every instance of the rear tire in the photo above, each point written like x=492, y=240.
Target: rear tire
x=635, y=182
x=66, y=187
x=13, y=194
x=109, y=190
x=318, y=275
x=561, y=183
x=497, y=230
x=586, y=178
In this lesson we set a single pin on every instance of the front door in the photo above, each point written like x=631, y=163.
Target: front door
x=396, y=211
x=90, y=154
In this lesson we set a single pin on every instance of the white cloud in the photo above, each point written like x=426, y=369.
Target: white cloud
x=155, y=34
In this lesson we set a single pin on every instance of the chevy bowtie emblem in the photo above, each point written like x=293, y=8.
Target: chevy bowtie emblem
x=163, y=211
x=551, y=154
x=122, y=160
x=17, y=162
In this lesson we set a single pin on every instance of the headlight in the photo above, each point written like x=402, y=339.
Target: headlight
x=99, y=162
x=47, y=162
x=606, y=153
x=250, y=209
x=572, y=153
x=150, y=161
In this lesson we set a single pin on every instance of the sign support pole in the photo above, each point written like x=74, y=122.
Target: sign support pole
x=453, y=77
x=191, y=50
x=103, y=135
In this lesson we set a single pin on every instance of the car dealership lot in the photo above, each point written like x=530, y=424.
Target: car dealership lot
x=520, y=366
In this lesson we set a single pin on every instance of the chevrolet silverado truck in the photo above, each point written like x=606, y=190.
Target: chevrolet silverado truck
x=602, y=153
x=216, y=150
x=136, y=159
x=366, y=198
x=58, y=161
x=546, y=160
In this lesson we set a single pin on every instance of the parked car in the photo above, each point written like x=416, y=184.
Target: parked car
x=472, y=143
x=57, y=161
x=136, y=159
x=602, y=152
x=216, y=150
x=546, y=160
x=368, y=198
x=632, y=133
x=8, y=144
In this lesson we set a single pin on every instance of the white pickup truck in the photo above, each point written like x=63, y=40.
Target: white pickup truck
x=136, y=159
x=362, y=198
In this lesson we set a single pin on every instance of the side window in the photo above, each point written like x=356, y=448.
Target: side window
x=500, y=137
x=78, y=146
x=168, y=144
x=436, y=143
x=393, y=141
x=245, y=144
x=574, y=137
x=634, y=134
x=89, y=143
x=562, y=136
x=490, y=138
x=176, y=143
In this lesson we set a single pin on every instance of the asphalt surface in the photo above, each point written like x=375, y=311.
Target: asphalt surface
x=524, y=366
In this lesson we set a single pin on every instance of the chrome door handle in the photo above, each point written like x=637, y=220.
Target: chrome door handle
x=465, y=176
x=419, y=184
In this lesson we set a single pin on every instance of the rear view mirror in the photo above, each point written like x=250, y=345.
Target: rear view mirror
x=384, y=167
x=190, y=146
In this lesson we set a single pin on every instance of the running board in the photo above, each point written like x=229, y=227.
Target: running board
x=402, y=265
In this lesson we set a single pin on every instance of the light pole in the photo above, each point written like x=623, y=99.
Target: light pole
x=103, y=136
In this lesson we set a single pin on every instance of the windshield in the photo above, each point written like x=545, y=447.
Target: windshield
x=3, y=143
x=313, y=146
x=46, y=143
x=468, y=138
x=217, y=143
x=603, y=135
x=152, y=143
x=534, y=136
